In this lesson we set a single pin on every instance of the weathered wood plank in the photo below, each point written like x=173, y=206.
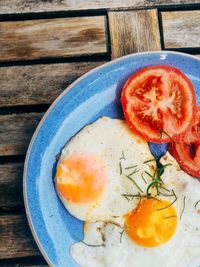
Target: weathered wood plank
x=38, y=84
x=64, y=37
x=25, y=6
x=11, y=185
x=16, y=238
x=181, y=29
x=133, y=31
x=16, y=131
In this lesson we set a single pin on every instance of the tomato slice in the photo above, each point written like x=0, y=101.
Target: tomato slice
x=159, y=103
x=187, y=156
x=193, y=135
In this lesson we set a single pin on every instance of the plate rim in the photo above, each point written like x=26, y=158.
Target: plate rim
x=68, y=88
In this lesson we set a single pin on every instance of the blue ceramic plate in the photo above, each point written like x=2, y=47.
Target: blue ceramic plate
x=93, y=95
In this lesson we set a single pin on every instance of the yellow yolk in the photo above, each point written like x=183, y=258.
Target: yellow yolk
x=81, y=178
x=152, y=223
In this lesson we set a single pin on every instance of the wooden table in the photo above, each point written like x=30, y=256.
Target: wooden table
x=46, y=45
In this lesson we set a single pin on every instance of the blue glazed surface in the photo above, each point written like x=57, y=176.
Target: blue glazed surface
x=95, y=94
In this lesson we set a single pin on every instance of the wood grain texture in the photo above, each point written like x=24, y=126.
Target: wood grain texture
x=133, y=31
x=16, y=238
x=16, y=131
x=65, y=37
x=38, y=84
x=11, y=185
x=181, y=29
x=26, y=6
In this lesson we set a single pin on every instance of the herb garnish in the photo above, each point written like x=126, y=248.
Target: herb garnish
x=163, y=132
x=169, y=217
x=150, y=160
x=121, y=233
x=142, y=175
x=196, y=204
x=135, y=171
x=131, y=167
x=170, y=203
x=183, y=207
x=120, y=168
x=130, y=178
x=123, y=156
x=95, y=246
x=156, y=179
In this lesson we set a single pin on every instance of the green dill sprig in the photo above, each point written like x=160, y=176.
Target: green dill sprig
x=150, y=160
x=156, y=179
x=131, y=167
x=170, y=203
x=120, y=168
x=121, y=234
x=135, y=171
x=94, y=246
x=196, y=204
x=161, y=131
x=123, y=156
x=169, y=217
x=131, y=179
x=183, y=207
x=142, y=175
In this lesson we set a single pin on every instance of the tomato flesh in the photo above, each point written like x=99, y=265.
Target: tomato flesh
x=193, y=135
x=188, y=160
x=159, y=103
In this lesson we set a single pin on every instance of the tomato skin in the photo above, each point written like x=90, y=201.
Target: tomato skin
x=193, y=134
x=188, y=162
x=165, y=129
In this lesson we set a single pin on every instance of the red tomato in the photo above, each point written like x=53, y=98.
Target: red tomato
x=193, y=135
x=159, y=103
x=187, y=156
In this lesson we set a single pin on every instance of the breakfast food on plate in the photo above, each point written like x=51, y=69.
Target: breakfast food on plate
x=187, y=151
x=100, y=164
x=138, y=211
x=161, y=231
x=193, y=134
x=159, y=103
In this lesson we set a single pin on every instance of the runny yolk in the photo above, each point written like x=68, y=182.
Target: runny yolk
x=152, y=223
x=81, y=178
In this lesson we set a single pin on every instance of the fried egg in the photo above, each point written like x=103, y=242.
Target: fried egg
x=162, y=230
x=99, y=168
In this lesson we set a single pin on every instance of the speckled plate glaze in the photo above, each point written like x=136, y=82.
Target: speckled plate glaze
x=93, y=95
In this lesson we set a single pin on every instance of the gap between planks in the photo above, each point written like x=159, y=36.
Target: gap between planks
x=27, y=6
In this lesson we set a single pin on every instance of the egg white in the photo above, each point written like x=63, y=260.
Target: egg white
x=113, y=142
x=107, y=245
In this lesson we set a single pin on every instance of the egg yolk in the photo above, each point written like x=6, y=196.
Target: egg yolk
x=81, y=178
x=152, y=223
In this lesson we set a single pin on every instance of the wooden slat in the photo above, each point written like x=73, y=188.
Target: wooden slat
x=11, y=185
x=181, y=29
x=133, y=31
x=33, y=39
x=25, y=6
x=16, y=131
x=38, y=84
x=16, y=238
